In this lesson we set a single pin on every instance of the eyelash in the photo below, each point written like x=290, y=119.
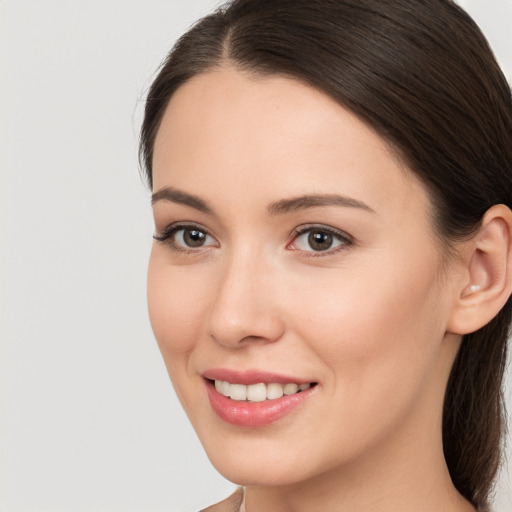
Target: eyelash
x=166, y=236
x=345, y=239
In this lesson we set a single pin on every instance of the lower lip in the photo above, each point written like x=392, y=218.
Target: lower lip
x=255, y=414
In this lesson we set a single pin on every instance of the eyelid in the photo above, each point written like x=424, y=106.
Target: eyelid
x=165, y=236
x=347, y=239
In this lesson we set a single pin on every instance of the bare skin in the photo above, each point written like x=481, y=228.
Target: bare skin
x=373, y=315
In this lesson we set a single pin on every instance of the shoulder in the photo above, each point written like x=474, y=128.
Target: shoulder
x=231, y=504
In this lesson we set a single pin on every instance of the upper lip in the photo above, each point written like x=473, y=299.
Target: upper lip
x=248, y=377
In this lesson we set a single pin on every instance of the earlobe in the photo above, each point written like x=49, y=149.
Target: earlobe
x=487, y=278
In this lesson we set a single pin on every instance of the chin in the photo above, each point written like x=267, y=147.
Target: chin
x=259, y=459
x=257, y=473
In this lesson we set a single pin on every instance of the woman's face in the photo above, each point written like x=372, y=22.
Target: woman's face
x=294, y=249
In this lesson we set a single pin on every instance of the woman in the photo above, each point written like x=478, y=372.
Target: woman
x=330, y=279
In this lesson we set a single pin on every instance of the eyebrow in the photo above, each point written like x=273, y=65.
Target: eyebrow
x=177, y=196
x=280, y=207
x=311, y=201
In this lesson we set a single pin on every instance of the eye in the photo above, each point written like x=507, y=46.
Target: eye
x=318, y=239
x=186, y=237
x=192, y=237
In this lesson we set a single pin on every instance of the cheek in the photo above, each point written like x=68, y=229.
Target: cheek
x=376, y=326
x=378, y=335
x=175, y=303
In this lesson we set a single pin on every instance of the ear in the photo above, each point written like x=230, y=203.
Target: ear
x=485, y=283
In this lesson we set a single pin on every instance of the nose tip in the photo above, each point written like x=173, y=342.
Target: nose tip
x=234, y=333
x=245, y=310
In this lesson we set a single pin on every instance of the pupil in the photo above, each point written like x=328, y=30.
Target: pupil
x=320, y=241
x=194, y=237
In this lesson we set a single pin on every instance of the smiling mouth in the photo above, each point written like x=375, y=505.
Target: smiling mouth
x=258, y=392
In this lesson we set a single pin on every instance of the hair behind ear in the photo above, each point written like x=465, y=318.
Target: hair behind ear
x=474, y=408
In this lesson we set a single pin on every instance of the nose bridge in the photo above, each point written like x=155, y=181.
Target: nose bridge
x=244, y=308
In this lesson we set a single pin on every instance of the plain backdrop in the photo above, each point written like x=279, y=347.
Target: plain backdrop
x=89, y=420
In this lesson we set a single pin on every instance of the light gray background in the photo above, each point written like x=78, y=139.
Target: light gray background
x=89, y=421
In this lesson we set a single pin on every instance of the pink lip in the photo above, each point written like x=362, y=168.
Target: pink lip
x=253, y=414
x=248, y=377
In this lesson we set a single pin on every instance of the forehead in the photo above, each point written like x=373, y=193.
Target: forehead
x=273, y=136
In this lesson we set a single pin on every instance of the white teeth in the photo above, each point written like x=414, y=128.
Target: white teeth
x=274, y=391
x=238, y=392
x=290, y=389
x=258, y=392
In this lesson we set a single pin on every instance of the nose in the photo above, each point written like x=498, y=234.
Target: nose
x=246, y=307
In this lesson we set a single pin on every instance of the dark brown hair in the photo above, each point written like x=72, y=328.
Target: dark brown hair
x=421, y=73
